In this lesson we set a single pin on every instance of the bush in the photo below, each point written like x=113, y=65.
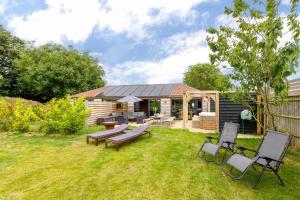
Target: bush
x=22, y=116
x=6, y=115
x=65, y=115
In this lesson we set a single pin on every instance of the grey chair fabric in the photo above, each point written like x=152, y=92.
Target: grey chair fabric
x=226, y=140
x=269, y=155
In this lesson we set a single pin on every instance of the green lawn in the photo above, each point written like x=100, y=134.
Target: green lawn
x=164, y=166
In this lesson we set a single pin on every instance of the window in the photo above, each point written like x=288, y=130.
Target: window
x=119, y=105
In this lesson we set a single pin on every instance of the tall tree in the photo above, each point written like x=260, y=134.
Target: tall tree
x=10, y=47
x=53, y=71
x=206, y=77
x=260, y=59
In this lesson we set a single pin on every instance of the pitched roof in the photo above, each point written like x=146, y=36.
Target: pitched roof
x=149, y=90
x=178, y=89
x=294, y=87
x=90, y=93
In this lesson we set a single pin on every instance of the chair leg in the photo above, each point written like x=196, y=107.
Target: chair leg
x=224, y=156
x=87, y=140
x=259, y=177
x=97, y=141
x=105, y=144
x=281, y=182
x=205, y=158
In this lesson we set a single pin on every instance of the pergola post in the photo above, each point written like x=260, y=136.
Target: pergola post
x=217, y=111
x=185, y=107
x=189, y=95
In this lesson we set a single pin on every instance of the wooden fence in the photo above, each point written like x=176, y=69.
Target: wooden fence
x=103, y=109
x=99, y=109
x=287, y=117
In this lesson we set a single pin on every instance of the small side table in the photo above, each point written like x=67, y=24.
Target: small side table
x=109, y=125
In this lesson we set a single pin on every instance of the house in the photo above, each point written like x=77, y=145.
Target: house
x=103, y=101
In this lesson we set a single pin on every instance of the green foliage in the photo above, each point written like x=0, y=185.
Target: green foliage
x=260, y=59
x=10, y=47
x=206, y=77
x=65, y=115
x=52, y=71
x=6, y=115
x=154, y=105
x=22, y=116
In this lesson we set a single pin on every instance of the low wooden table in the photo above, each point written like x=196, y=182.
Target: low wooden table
x=109, y=125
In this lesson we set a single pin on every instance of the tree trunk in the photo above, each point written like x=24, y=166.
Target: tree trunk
x=267, y=105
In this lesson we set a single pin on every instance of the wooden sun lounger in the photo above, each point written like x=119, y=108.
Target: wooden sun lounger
x=106, y=134
x=128, y=136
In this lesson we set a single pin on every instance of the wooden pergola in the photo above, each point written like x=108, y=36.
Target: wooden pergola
x=210, y=94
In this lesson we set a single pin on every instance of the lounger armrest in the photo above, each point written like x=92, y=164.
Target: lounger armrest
x=244, y=149
x=270, y=159
x=228, y=142
x=210, y=138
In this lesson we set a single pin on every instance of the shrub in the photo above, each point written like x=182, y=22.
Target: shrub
x=6, y=115
x=22, y=116
x=65, y=115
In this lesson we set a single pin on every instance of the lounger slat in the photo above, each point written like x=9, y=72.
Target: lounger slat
x=120, y=139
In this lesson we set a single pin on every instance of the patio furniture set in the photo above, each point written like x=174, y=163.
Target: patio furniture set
x=123, y=118
x=160, y=120
x=268, y=156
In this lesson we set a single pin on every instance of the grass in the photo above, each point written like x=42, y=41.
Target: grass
x=164, y=166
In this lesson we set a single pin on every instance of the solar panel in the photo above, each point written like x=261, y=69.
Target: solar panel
x=139, y=90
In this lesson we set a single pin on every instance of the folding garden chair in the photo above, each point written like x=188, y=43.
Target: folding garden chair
x=269, y=156
x=225, y=141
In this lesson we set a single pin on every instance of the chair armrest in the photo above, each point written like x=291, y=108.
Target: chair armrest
x=230, y=145
x=228, y=142
x=270, y=159
x=244, y=148
x=210, y=137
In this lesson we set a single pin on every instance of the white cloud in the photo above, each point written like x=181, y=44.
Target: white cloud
x=285, y=2
x=75, y=20
x=287, y=35
x=132, y=16
x=184, y=50
x=2, y=7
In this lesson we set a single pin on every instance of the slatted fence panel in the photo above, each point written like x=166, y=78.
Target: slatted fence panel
x=99, y=109
x=287, y=118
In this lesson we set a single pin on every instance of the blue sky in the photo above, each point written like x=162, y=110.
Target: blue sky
x=135, y=41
